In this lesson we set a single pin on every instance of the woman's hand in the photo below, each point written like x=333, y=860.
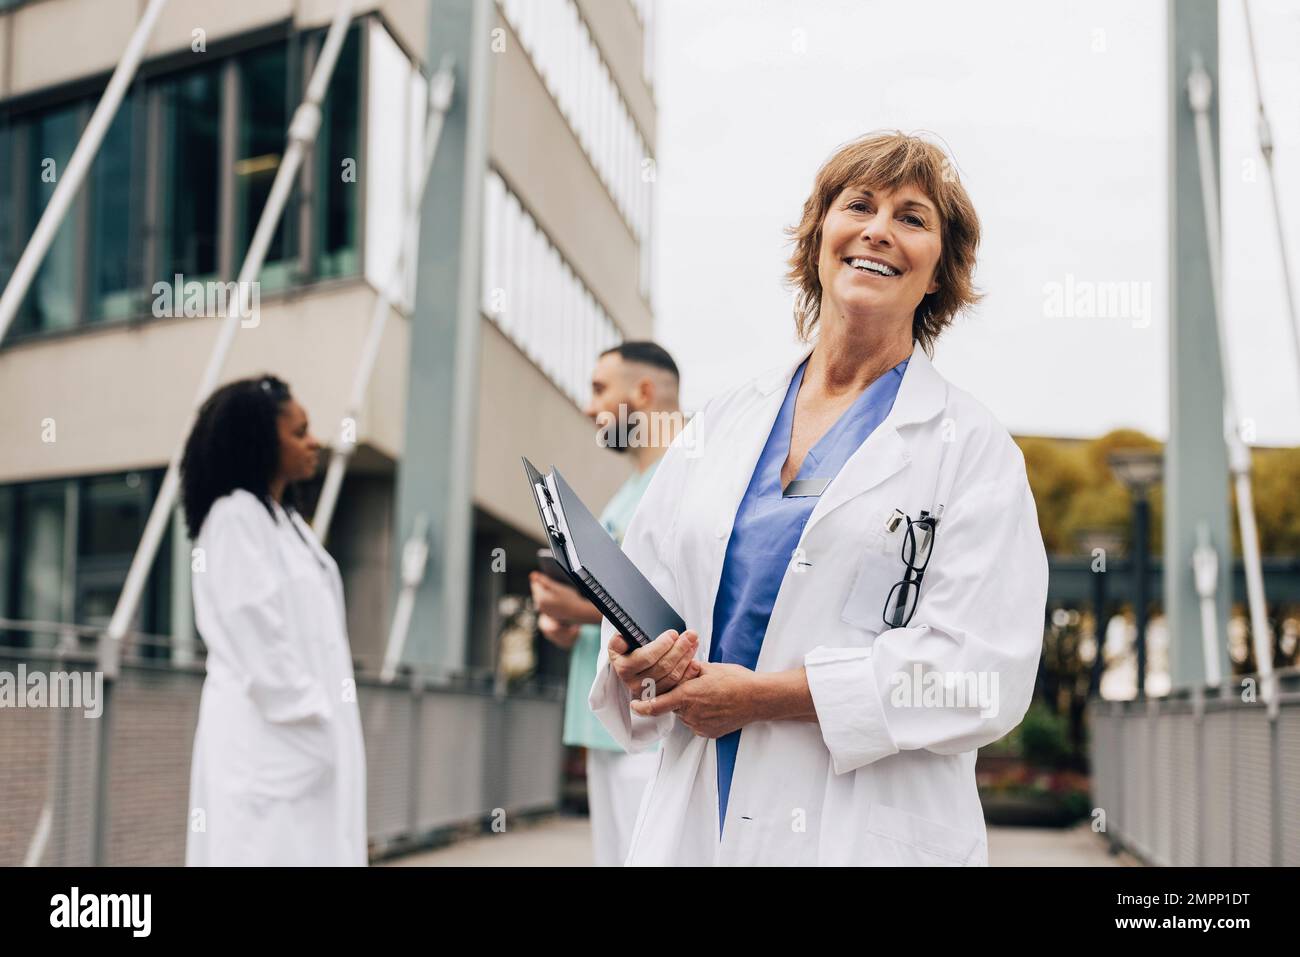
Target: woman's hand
x=658, y=667
x=723, y=699
x=566, y=605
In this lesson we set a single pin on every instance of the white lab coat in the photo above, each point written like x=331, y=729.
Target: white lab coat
x=876, y=780
x=278, y=775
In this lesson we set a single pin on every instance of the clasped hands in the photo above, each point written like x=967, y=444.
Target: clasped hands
x=710, y=699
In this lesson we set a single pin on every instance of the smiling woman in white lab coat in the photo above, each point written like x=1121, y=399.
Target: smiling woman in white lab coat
x=856, y=652
x=278, y=775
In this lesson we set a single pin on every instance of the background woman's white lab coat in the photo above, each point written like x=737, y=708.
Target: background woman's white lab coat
x=878, y=780
x=278, y=774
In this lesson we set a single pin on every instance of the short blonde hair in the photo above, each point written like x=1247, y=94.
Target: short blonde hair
x=889, y=161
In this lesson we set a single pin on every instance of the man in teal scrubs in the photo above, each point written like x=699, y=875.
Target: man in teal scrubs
x=634, y=405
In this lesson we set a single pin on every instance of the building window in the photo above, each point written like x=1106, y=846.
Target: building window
x=337, y=157
x=178, y=187
x=263, y=118
x=645, y=12
x=7, y=551
x=113, y=224
x=570, y=64
x=39, y=557
x=66, y=547
x=533, y=295
x=51, y=303
x=191, y=163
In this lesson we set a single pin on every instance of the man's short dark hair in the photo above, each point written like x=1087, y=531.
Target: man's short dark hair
x=647, y=352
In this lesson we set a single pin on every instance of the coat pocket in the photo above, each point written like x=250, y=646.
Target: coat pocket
x=878, y=569
x=293, y=759
x=894, y=837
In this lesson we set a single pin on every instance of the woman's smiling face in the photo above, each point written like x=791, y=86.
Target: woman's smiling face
x=865, y=227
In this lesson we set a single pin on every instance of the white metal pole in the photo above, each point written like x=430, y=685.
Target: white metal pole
x=440, y=91
x=74, y=174
x=1199, y=90
x=1266, y=147
x=302, y=133
x=1205, y=569
x=415, y=555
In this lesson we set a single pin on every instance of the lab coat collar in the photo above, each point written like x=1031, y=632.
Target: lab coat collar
x=921, y=394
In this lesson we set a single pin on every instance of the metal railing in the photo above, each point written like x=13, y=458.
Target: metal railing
x=1200, y=778
x=113, y=789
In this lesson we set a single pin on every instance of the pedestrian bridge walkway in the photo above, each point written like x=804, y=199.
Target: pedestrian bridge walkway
x=564, y=841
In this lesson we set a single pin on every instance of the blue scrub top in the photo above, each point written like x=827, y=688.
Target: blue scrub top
x=767, y=531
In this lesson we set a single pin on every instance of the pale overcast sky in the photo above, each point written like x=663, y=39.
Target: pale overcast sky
x=1056, y=114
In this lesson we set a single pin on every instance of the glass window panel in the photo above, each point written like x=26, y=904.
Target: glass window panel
x=622, y=150
x=523, y=302
x=588, y=92
x=111, y=241
x=487, y=263
x=263, y=128
x=7, y=550
x=337, y=221
x=571, y=341
x=112, y=511
x=9, y=239
x=191, y=108
x=544, y=45
x=553, y=332
x=52, y=302
x=40, y=595
x=512, y=247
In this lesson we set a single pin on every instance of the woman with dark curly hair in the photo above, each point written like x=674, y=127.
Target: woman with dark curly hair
x=278, y=773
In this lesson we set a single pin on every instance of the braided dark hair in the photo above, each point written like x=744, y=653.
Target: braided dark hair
x=235, y=443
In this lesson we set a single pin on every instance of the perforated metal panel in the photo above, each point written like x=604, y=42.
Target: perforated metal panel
x=152, y=718
x=47, y=771
x=434, y=758
x=1217, y=819
x=1253, y=783
x=1162, y=783
x=1219, y=791
x=1184, y=802
x=387, y=724
x=75, y=766
x=533, y=753
x=1289, y=751
x=454, y=737
x=1137, y=783
x=1105, y=761
x=1114, y=760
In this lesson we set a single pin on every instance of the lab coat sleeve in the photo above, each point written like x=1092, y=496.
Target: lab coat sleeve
x=649, y=542
x=246, y=587
x=979, y=625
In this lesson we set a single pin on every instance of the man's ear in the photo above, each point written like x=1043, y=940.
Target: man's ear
x=644, y=391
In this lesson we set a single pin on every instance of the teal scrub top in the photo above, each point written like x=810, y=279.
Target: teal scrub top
x=582, y=728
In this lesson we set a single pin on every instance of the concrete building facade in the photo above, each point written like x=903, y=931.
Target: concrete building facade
x=97, y=378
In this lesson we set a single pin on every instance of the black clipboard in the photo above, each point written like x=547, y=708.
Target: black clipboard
x=595, y=564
